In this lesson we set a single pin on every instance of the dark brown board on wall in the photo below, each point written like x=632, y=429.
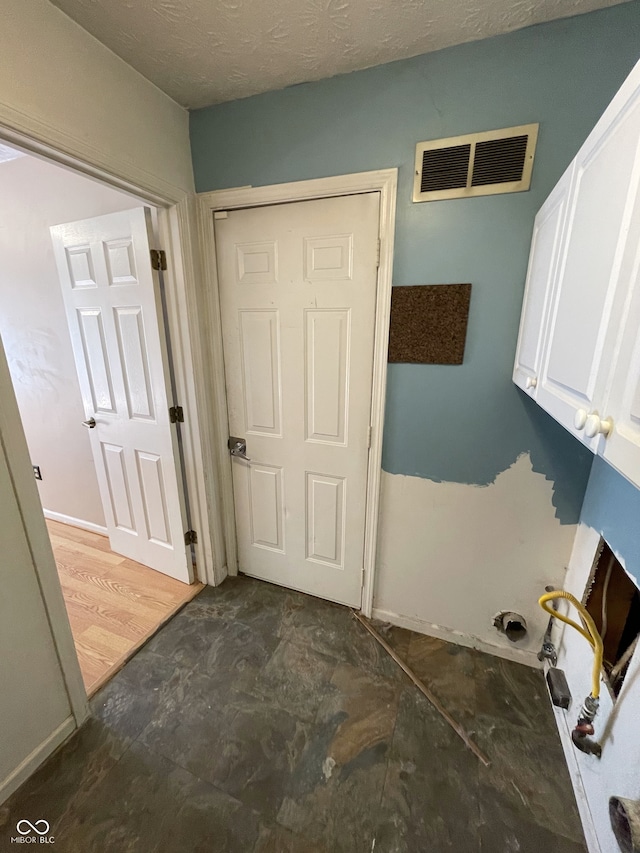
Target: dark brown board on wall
x=429, y=323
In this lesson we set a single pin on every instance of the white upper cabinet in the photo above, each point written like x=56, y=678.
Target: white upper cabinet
x=543, y=263
x=578, y=346
x=622, y=447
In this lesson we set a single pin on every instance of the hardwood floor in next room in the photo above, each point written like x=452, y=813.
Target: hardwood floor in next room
x=114, y=604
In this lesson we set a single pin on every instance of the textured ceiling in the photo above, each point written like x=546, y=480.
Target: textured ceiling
x=207, y=51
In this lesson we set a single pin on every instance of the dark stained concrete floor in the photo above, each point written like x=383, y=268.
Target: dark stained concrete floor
x=263, y=721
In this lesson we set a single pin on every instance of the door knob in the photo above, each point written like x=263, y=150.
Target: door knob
x=530, y=382
x=238, y=448
x=580, y=419
x=90, y=424
x=597, y=426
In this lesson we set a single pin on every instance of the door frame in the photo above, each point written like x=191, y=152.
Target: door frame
x=176, y=212
x=383, y=181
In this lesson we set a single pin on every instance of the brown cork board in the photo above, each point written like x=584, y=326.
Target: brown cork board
x=429, y=323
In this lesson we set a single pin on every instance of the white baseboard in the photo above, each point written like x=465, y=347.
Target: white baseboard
x=526, y=656
x=75, y=522
x=31, y=763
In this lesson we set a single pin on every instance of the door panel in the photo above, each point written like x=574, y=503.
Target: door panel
x=298, y=293
x=109, y=292
x=546, y=245
x=622, y=447
x=587, y=311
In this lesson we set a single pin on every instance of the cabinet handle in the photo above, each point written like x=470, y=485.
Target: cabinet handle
x=596, y=426
x=580, y=419
x=530, y=382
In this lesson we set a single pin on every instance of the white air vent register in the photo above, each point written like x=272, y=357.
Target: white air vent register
x=498, y=161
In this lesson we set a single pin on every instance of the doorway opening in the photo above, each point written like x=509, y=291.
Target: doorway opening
x=113, y=602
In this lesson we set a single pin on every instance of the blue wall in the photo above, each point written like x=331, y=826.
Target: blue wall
x=447, y=423
x=612, y=507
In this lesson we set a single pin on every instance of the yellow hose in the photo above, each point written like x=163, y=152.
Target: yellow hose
x=590, y=634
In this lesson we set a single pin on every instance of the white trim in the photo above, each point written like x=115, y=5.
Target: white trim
x=75, y=522
x=176, y=227
x=45, y=140
x=36, y=758
x=525, y=656
x=385, y=182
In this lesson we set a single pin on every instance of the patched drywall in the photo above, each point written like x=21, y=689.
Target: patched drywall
x=451, y=556
x=34, y=195
x=611, y=509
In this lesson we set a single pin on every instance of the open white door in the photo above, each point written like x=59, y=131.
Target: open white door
x=113, y=312
x=298, y=286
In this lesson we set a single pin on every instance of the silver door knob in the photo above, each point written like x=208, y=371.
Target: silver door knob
x=90, y=424
x=238, y=448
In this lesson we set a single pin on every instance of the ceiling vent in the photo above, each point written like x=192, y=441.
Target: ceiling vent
x=499, y=161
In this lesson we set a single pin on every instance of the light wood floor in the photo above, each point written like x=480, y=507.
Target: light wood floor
x=114, y=604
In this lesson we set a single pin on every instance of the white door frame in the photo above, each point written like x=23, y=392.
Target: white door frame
x=384, y=182
x=176, y=217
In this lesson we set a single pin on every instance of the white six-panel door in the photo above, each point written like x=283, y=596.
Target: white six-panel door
x=298, y=293
x=110, y=298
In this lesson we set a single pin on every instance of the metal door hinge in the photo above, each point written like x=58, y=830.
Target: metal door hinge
x=378, y=253
x=369, y=438
x=190, y=537
x=176, y=415
x=158, y=259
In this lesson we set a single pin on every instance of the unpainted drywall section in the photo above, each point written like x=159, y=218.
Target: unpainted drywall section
x=34, y=195
x=59, y=82
x=611, y=509
x=503, y=548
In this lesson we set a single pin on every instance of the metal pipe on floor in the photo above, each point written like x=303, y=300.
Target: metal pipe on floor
x=462, y=734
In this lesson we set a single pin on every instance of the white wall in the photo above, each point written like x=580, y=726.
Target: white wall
x=35, y=194
x=59, y=82
x=450, y=556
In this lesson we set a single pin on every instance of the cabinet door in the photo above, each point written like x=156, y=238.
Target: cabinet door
x=541, y=275
x=586, y=310
x=622, y=408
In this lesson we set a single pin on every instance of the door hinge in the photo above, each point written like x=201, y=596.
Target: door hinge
x=369, y=438
x=190, y=537
x=378, y=253
x=158, y=259
x=176, y=415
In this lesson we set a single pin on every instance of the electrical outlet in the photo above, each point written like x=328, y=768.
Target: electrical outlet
x=36, y=471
